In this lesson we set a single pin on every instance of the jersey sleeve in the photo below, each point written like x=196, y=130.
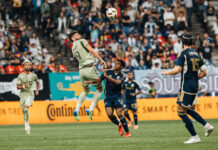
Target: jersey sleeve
x=181, y=60
x=36, y=78
x=19, y=82
x=137, y=86
x=84, y=42
x=123, y=78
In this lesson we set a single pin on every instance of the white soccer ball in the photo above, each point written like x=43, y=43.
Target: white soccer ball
x=111, y=13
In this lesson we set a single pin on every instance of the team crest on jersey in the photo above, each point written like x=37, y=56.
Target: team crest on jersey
x=132, y=85
x=118, y=77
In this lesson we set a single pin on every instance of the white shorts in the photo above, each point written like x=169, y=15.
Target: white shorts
x=27, y=101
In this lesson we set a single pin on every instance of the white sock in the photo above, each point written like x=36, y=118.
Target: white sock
x=206, y=125
x=82, y=97
x=95, y=100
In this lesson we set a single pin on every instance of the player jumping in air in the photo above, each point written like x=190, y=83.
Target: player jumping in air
x=25, y=84
x=129, y=88
x=189, y=63
x=86, y=55
x=113, y=97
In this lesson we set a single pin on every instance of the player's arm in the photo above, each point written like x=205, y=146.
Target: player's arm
x=139, y=91
x=178, y=68
x=92, y=51
x=174, y=71
x=119, y=81
x=203, y=72
x=20, y=85
x=37, y=85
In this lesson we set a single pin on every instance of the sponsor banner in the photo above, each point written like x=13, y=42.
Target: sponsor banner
x=168, y=86
x=9, y=91
x=65, y=86
x=62, y=111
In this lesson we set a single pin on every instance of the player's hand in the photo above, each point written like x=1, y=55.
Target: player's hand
x=132, y=94
x=37, y=92
x=103, y=63
x=164, y=72
x=104, y=72
x=26, y=85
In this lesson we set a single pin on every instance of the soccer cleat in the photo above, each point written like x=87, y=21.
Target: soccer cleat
x=135, y=127
x=127, y=135
x=120, y=130
x=193, y=139
x=208, y=129
x=89, y=113
x=76, y=115
x=130, y=124
x=27, y=128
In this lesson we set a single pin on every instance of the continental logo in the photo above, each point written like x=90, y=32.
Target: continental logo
x=54, y=112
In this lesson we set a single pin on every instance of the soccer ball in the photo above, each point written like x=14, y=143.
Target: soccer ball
x=111, y=13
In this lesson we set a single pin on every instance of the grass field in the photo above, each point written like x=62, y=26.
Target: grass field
x=151, y=135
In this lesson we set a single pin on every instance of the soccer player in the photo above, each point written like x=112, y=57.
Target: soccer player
x=129, y=89
x=189, y=63
x=25, y=84
x=113, y=97
x=86, y=55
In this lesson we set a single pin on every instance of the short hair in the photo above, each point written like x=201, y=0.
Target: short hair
x=122, y=63
x=187, y=39
x=72, y=33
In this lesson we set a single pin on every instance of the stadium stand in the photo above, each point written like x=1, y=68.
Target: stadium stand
x=146, y=34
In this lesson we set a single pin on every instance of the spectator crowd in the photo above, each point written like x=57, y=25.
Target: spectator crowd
x=146, y=34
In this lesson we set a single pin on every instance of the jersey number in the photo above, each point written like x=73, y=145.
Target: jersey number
x=30, y=82
x=77, y=55
x=195, y=64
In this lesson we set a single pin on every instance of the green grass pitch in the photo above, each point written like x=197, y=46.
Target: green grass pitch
x=151, y=135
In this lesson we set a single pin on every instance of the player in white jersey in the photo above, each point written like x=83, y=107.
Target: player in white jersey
x=25, y=84
x=86, y=55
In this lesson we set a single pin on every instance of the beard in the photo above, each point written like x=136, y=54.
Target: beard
x=27, y=69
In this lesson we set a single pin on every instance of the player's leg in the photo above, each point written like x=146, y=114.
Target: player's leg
x=123, y=121
x=28, y=102
x=208, y=128
x=82, y=95
x=127, y=115
x=96, y=98
x=183, y=102
x=92, y=74
x=113, y=118
x=134, y=111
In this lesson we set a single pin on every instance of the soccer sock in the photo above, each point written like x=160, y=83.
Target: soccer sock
x=114, y=120
x=96, y=98
x=135, y=119
x=81, y=99
x=196, y=116
x=127, y=116
x=188, y=123
x=124, y=124
x=26, y=115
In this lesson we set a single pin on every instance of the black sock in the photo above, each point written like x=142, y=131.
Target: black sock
x=124, y=124
x=188, y=123
x=114, y=120
x=196, y=116
x=135, y=119
x=127, y=116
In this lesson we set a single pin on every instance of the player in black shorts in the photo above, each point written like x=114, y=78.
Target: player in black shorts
x=114, y=79
x=129, y=88
x=189, y=64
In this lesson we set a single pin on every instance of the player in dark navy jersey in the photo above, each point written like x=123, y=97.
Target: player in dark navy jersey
x=191, y=66
x=129, y=89
x=113, y=97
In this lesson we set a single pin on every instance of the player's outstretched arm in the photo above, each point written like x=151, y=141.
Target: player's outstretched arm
x=92, y=51
x=174, y=71
x=37, y=88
